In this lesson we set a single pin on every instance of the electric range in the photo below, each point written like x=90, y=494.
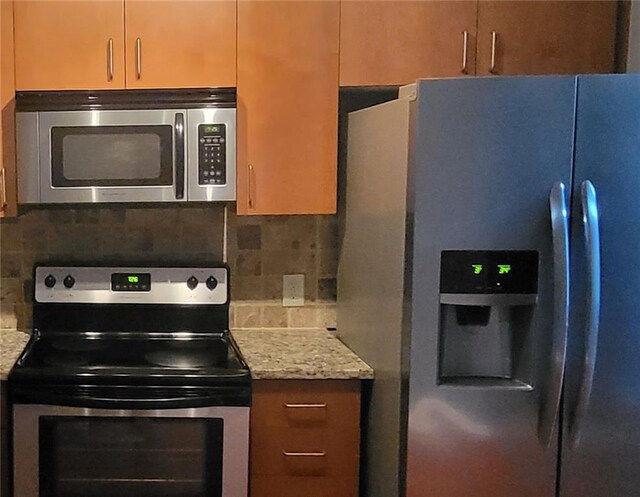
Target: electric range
x=131, y=364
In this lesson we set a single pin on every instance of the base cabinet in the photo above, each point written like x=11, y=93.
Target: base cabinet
x=305, y=438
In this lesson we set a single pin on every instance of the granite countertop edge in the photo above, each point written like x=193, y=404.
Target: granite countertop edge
x=12, y=343
x=299, y=354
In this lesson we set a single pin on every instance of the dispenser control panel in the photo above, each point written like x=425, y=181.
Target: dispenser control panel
x=489, y=271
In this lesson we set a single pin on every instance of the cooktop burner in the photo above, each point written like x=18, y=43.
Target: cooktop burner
x=65, y=360
x=77, y=345
x=180, y=360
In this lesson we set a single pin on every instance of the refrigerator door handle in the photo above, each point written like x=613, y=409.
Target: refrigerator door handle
x=590, y=223
x=560, y=235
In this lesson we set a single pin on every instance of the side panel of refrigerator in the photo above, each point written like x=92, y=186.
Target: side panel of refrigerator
x=487, y=154
x=601, y=441
x=371, y=281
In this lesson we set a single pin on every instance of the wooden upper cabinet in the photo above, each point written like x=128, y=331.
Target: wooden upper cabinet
x=69, y=45
x=392, y=43
x=287, y=107
x=8, y=202
x=546, y=37
x=180, y=44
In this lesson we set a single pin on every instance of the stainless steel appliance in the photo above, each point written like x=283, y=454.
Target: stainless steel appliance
x=131, y=385
x=487, y=273
x=129, y=146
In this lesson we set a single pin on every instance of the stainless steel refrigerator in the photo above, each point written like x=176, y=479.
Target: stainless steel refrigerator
x=490, y=273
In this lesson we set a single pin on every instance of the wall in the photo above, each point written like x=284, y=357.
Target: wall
x=634, y=39
x=260, y=251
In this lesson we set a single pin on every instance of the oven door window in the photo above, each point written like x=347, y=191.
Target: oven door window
x=111, y=156
x=130, y=457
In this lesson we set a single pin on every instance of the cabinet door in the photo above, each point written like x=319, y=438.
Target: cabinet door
x=8, y=205
x=551, y=37
x=178, y=44
x=287, y=107
x=70, y=45
x=392, y=43
x=305, y=438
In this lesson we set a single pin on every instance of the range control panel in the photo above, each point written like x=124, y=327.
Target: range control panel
x=132, y=285
x=212, y=155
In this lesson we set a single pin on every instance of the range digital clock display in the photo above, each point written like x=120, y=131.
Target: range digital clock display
x=130, y=282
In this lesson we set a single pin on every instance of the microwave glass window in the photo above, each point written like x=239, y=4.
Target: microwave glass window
x=112, y=155
x=130, y=457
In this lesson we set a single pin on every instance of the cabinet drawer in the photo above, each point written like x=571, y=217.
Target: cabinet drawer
x=311, y=404
x=269, y=486
x=305, y=451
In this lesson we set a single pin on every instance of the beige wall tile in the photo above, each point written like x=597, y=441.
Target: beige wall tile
x=303, y=317
x=247, y=316
x=274, y=316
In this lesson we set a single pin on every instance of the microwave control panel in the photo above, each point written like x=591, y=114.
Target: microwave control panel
x=212, y=156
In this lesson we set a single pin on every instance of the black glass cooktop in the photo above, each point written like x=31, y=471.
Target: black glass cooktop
x=133, y=354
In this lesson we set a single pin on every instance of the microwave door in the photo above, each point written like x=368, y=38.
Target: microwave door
x=112, y=156
x=211, y=139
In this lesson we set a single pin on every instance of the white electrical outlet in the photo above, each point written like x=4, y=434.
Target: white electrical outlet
x=293, y=290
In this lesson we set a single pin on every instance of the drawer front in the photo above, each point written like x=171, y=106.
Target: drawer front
x=305, y=438
x=269, y=486
x=310, y=403
x=305, y=451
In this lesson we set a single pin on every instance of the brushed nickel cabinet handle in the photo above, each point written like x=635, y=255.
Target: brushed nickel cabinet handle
x=3, y=178
x=251, y=181
x=110, y=60
x=304, y=454
x=305, y=406
x=465, y=42
x=494, y=42
x=138, y=58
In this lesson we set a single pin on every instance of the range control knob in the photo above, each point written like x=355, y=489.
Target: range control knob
x=212, y=282
x=69, y=281
x=50, y=281
x=192, y=282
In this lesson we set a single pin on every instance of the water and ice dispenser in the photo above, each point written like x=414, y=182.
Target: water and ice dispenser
x=487, y=303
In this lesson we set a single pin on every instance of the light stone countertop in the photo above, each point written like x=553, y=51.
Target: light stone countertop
x=299, y=354
x=12, y=343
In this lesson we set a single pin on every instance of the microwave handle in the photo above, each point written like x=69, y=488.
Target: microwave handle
x=179, y=159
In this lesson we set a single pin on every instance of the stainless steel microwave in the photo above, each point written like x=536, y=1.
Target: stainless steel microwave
x=126, y=146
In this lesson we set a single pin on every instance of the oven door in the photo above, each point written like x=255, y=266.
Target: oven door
x=112, y=156
x=78, y=452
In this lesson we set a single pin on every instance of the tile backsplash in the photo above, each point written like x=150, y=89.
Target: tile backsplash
x=260, y=251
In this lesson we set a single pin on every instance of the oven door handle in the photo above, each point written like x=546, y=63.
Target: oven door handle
x=129, y=397
x=179, y=155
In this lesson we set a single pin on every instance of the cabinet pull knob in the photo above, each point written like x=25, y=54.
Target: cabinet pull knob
x=138, y=58
x=494, y=42
x=251, y=181
x=3, y=178
x=305, y=406
x=110, y=60
x=304, y=454
x=465, y=42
